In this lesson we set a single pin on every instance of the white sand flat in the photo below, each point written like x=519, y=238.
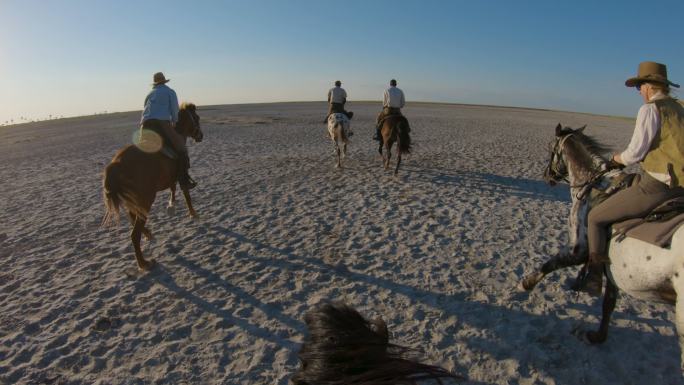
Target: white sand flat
x=438, y=252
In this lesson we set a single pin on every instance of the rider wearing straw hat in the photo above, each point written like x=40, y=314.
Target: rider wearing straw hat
x=160, y=115
x=658, y=143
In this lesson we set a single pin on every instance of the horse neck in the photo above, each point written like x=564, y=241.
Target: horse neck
x=180, y=127
x=583, y=164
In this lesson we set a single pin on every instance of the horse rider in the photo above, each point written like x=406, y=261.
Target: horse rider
x=161, y=115
x=392, y=102
x=337, y=97
x=658, y=143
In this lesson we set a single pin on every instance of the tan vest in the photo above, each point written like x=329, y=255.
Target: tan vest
x=668, y=146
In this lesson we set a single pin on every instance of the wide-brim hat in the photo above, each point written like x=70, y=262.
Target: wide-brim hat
x=159, y=78
x=650, y=72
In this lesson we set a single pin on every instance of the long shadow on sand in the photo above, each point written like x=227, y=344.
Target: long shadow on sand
x=163, y=277
x=484, y=182
x=469, y=312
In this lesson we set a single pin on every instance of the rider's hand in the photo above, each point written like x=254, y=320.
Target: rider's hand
x=612, y=164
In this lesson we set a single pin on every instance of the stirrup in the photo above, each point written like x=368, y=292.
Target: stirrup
x=591, y=282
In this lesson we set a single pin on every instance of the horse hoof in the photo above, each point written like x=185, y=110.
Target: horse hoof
x=529, y=282
x=594, y=337
x=147, y=265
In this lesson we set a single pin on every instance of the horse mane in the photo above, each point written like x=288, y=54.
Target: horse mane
x=188, y=106
x=591, y=144
x=343, y=348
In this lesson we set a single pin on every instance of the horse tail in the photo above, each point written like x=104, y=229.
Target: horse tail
x=404, y=136
x=118, y=191
x=338, y=130
x=112, y=193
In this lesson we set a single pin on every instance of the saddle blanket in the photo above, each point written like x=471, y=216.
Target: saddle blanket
x=657, y=228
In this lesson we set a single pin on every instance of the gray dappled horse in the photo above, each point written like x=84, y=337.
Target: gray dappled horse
x=638, y=268
x=338, y=129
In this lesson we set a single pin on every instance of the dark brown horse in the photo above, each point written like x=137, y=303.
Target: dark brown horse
x=395, y=128
x=344, y=348
x=134, y=176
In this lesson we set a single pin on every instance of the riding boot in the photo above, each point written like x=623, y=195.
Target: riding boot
x=184, y=179
x=592, y=282
x=377, y=134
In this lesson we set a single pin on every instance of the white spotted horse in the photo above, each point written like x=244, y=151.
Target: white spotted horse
x=640, y=269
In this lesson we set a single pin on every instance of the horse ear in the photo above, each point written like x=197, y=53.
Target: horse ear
x=559, y=128
x=581, y=128
x=379, y=326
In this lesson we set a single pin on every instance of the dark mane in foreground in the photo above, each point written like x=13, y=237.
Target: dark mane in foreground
x=344, y=348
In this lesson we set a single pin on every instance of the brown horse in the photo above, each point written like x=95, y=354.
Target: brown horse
x=395, y=128
x=344, y=348
x=134, y=176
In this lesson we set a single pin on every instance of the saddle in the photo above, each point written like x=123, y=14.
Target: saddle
x=395, y=115
x=656, y=228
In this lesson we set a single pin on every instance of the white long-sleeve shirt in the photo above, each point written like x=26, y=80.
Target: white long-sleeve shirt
x=646, y=129
x=393, y=97
x=337, y=95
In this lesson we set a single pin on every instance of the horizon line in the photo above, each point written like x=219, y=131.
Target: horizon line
x=322, y=102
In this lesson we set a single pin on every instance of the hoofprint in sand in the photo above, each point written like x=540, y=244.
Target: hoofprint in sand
x=437, y=251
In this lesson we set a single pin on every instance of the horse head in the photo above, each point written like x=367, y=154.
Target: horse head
x=189, y=122
x=572, y=149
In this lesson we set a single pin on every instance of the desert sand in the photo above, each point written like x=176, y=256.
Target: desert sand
x=437, y=251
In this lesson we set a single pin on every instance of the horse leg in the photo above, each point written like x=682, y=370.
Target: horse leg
x=609, y=300
x=171, y=208
x=337, y=151
x=387, y=156
x=558, y=261
x=138, y=226
x=396, y=170
x=145, y=231
x=188, y=202
x=679, y=314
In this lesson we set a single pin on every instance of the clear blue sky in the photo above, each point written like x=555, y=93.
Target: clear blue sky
x=76, y=57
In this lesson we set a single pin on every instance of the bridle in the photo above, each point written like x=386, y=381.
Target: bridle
x=195, y=132
x=558, y=170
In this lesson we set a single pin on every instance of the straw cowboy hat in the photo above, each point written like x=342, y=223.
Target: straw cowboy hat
x=650, y=72
x=159, y=78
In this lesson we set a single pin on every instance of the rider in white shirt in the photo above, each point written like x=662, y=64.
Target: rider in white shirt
x=337, y=97
x=392, y=102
